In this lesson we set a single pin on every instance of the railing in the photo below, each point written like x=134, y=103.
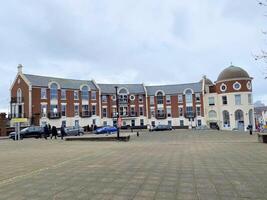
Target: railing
x=17, y=100
x=190, y=114
x=161, y=115
x=124, y=114
x=53, y=115
x=85, y=113
x=17, y=115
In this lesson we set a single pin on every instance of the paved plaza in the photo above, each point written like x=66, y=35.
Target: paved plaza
x=202, y=165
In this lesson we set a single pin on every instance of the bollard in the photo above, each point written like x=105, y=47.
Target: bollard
x=137, y=133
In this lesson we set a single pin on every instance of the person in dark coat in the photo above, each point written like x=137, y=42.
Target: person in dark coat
x=54, y=132
x=250, y=128
x=62, y=131
x=46, y=131
x=49, y=130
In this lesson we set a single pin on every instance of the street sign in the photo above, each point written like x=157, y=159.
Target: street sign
x=19, y=120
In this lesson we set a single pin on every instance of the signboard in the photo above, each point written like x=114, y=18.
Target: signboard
x=19, y=120
x=119, y=122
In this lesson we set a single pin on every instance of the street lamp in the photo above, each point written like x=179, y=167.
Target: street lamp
x=118, y=114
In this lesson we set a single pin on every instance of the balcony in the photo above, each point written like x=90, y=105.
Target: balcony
x=161, y=115
x=190, y=114
x=124, y=114
x=17, y=100
x=17, y=115
x=54, y=115
x=85, y=114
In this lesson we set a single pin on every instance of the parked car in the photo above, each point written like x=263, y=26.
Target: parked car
x=72, y=131
x=106, y=129
x=162, y=128
x=29, y=132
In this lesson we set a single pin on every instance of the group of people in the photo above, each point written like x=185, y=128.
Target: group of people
x=52, y=132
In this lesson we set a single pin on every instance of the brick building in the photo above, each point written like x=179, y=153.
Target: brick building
x=226, y=102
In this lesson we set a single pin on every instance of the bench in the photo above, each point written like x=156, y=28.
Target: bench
x=262, y=137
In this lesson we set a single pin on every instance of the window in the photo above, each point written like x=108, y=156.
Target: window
x=189, y=110
x=85, y=93
x=93, y=95
x=197, y=97
x=223, y=87
x=249, y=85
x=212, y=114
x=104, y=112
x=105, y=123
x=53, y=91
x=132, y=111
x=114, y=97
x=123, y=98
x=63, y=110
x=63, y=94
x=85, y=110
x=152, y=100
x=181, y=122
x=237, y=99
x=170, y=123
x=53, y=108
x=198, y=111
x=211, y=101
x=169, y=112
x=160, y=98
x=152, y=112
x=64, y=123
x=76, y=123
x=93, y=109
x=188, y=96
x=141, y=111
x=104, y=98
x=181, y=113
x=237, y=86
x=141, y=122
x=168, y=99
x=76, y=95
x=140, y=98
x=199, y=123
x=43, y=110
x=224, y=100
x=180, y=98
x=132, y=122
x=132, y=97
x=43, y=93
x=249, y=99
x=76, y=110
x=226, y=119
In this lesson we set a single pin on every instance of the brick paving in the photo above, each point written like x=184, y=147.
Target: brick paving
x=165, y=165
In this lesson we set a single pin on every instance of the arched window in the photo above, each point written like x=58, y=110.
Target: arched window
x=160, y=97
x=226, y=118
x=85, y=93
x=19, y=95
x=212, y=114
x=123, y=95
x=239, y=116
x=53, y=91
x=188, y=96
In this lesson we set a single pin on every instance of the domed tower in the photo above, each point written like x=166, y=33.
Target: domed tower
x=234, y=99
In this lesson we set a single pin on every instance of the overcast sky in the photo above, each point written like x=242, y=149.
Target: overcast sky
x=131, y=41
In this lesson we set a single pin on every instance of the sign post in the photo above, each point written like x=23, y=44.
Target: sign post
x=17, y=122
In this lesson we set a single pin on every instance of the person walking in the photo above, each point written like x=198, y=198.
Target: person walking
x=54, y=132
x=49, y=131
x=46, y=132
x=62, y=131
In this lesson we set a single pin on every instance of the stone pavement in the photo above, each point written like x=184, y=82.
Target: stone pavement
x=163, y=165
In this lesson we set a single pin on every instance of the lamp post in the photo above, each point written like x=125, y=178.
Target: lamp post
x=118, y=114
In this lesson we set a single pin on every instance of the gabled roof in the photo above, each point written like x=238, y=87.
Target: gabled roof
x=173, y=89
x=132, y=88
x=43, y=81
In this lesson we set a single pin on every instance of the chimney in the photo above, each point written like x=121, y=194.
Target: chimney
x=20, y=68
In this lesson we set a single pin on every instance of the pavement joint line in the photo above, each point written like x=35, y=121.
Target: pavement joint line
x=15, y=178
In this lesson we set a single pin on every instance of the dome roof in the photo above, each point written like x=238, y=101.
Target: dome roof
x=207, y=81
x=232, y=72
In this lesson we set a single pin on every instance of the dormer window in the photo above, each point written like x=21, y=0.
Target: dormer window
x=76, y=95
x=85, y=93
x=53, y=91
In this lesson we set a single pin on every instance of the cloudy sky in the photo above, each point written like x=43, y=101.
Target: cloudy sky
x=149, y=41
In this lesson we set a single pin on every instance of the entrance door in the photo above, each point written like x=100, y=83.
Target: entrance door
x=20, y=111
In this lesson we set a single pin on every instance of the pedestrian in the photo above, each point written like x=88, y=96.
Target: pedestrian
x=54, y=132
x=49, y=131
x=62, y=131
x=250, y=129
x=46, y=131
